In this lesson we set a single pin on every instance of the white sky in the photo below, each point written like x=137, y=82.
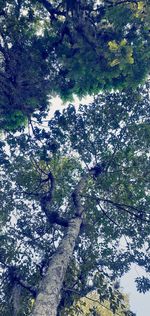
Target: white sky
x=139, y=302
x=56, y=103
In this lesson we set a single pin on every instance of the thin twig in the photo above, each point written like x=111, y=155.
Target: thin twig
x=122, y=207
x=105, y=213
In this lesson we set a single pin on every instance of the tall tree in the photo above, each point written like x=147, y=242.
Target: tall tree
x=68, y=47
x=75, y=205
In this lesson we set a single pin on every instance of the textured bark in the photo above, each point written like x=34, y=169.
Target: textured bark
x=49, y=297
x=49, y=292
x=16, y=292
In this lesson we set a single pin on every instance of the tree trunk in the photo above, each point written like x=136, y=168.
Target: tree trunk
x=49, y=291
x=49, y=296
x=16, y=293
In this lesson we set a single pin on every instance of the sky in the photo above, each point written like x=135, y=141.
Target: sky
x=139, y=303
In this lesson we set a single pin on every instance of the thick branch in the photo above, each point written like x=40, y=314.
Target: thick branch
x=16, y=279
x=53, y=11
x=27, y=286
x=54, y=218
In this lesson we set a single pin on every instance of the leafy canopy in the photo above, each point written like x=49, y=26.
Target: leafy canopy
x=113, y=133
x=68, y=47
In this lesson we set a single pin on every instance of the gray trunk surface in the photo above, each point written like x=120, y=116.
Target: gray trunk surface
x=49, y=296
x=16, y=292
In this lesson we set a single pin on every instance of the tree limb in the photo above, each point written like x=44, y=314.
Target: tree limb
x=53, y=11
x=27, y=286
x=125, y=207
x=94, y=172
x=112, y=4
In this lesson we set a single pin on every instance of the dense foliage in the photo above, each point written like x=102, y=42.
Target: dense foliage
x=90, y=305
x=68, y=47
x=76, y=185
x=108, y=139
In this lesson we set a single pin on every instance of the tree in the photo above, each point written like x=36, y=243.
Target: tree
x=67, y=48
x=90, y=305
x=75, y=205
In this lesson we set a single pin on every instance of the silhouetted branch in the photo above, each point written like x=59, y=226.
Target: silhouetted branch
x=53, y=11
x=125, y=207
x=105, y=213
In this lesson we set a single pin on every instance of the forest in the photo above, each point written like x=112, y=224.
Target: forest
x=75, y=185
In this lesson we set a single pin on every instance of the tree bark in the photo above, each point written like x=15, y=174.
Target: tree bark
x=49, y=296
x=49, y=291
x=16, y=293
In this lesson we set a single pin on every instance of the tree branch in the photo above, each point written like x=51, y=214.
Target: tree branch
x=55, y=218
x=112, y=4
x=15, y=278
x=94, y=172
x=124, y=207
x=24, y=284
x=53, y=11
x=105, y=213
x=46, y=200
x=76, y=195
